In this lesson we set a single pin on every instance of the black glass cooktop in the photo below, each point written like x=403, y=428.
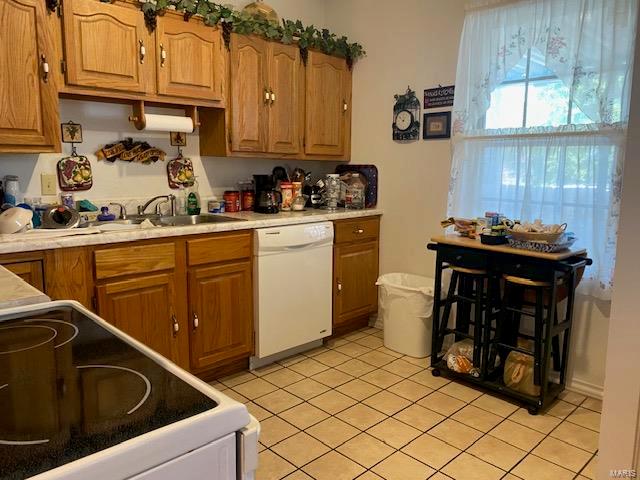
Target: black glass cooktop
x=70, y=388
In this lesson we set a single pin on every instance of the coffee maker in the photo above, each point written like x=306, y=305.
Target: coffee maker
x=266, y=194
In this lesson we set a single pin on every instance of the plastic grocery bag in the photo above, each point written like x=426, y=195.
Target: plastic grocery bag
x=459, y=358
x=518, y=370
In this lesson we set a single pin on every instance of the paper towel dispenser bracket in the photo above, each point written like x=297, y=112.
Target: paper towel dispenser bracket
x=173, y=123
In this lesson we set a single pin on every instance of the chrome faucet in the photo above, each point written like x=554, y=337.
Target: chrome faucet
x=123, y=211
x=167, y=198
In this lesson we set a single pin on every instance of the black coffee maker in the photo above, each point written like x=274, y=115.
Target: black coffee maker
x=266, y=194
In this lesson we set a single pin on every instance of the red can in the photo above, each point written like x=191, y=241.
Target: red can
x=231, y=201
x=248, y=198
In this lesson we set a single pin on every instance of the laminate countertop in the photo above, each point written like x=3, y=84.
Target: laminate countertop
x=15, y=292
x=29, y=242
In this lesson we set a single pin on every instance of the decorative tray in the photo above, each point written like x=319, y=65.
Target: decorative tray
x=562, y=244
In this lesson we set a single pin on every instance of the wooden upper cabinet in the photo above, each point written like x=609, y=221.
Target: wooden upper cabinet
x=104, y=46
x=285, y=88
x=248, y=90
x=189, y=59
x=328, y=100
x=28, y=94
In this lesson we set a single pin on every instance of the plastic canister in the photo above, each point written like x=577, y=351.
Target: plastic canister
x=231, y=201
x=286, y=188
x=11, y=189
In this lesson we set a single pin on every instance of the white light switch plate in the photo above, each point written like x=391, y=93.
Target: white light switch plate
x=48, y=183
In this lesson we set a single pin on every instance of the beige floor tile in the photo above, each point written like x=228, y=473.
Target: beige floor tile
x=410, y=390
x=335, y=342
x=431, y=450
x=255, y=388
x=283, y=377
x=300, y=449
x=561, y=453
x=352, y=337
x=352, y=349
x=477, y=418
x=316, y=351
x=333, y=466
x=510, y=476
x=236, y=379
x=229, y=392
x=424, y=362
x=377, y=358
x=466, y=467
x=217, y=385
x=331, y=358
x=358, y=389
x=461, y=392
x=274, y=430
x=307, y=388
x=592, y=404
x=402, y=467
x=517, y=435
x=496, y=452
x=361, y=416
x=495, y=405
x=535, y=468
x=441, y=403
x=272, y=467
x=542, y=422
x=369, y=475
x=572, y=397
x=304, y=415
x=585, y=418
x=333, y=432
x=355, y=367
x=387, y=402
x=582, y=477
x=388, y=351
x=381, y=378
x=332, y=377
x=287, y=362
x=402, y=368
x=258, y=412
x=560, y=409
x=577, y=436
x=298, y=475
x=419, y=417
x=455, y=433
x=366, y=450
x=308, y=367
x=332, y=402
x=259, y=372
x=427, y=379
x=370, y=341
x=278, y=401
x=440, y=476
x=394, y=433
x=590, y=470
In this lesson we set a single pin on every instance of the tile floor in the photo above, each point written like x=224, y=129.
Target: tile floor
x=354, y=409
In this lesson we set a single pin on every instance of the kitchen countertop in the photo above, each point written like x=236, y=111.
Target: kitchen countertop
x=15, y=292
x=252, y=220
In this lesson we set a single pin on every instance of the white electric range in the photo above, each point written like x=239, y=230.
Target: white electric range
x=81, y=400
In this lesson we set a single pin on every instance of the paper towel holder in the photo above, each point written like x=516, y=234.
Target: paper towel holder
x=138, y=115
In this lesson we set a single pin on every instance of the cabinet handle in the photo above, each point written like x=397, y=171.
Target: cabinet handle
x=345, y=107
x=267, y=96
x=196, y=321
x=45, y=69
x=273, y=96
x=175, y=325
x=358, y=231
x=143, y=51
x=339, y=286
x=163, y=55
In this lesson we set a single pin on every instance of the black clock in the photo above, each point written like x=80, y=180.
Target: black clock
x=406, y=117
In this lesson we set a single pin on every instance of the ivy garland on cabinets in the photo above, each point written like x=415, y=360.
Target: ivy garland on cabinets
x=245, y=23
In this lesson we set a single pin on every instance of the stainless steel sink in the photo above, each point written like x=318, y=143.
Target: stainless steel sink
x=129, y=221
x=182, y=220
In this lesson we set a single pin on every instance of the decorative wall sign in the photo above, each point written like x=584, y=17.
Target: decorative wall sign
x=178, y=139
x=439, y=97
x=74, y=173
x=437, y=125
x=406, y=117
x=129, y=150
x=71, y=132
x=180, y=172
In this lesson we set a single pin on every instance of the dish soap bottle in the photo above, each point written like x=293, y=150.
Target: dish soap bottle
x=193, y=199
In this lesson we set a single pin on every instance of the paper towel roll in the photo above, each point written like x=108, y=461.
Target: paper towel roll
x=167, y=123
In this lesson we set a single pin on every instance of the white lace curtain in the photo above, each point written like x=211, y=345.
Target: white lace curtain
x=559, y=173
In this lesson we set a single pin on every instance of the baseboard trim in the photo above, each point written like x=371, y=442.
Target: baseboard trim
x=586, y=388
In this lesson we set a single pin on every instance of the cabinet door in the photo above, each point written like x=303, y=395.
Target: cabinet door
x=220, y=313
x=28, y=95
x=189, y=59
x=30, y=272
x=103, y=46
x=326, y=105
x=284, y=106
x=143, y=307
x=355, y=271
x=248, y=94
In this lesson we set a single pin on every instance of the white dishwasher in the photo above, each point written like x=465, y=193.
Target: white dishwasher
x=292, y=283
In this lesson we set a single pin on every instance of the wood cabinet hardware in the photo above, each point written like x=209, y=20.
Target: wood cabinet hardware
x=142, y=50
x=163, y=55
x=196, y=321
x=45, y=68
x=175, y=325
x=273, y=96
x=267, y=96
x=358, y=231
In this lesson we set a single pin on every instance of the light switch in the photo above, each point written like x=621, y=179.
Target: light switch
x=48, y=183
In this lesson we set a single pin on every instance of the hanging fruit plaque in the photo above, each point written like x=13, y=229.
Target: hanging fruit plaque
x=180, y=172
x=74, y=173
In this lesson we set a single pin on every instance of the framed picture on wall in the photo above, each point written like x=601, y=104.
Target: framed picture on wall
x=436, y=126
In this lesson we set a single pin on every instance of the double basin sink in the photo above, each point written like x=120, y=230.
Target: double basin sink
x=166, y=221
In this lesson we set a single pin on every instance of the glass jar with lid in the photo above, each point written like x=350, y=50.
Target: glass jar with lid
x=332, y=191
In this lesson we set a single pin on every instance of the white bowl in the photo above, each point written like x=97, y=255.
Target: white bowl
x=15, y=219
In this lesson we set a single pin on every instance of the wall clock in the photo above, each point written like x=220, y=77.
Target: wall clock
x=406, y=117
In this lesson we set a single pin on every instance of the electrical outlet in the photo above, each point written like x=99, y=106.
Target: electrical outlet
x=48, y=183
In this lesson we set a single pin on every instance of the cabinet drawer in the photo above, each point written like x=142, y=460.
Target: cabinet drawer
x=115, y=262
x=357, y=229
x=219, y=248
x=461, y=257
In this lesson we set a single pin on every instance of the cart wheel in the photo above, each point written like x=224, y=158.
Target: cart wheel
x=532, y=410
x=435, y=372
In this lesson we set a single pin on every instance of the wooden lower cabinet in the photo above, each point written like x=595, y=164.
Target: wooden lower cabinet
x=30, y=271
x=220, y=313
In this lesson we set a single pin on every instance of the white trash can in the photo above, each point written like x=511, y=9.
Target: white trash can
x=405, y=304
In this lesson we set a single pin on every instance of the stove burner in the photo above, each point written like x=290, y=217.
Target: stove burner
x=144, y=379
x=54, y=335
x=50, y=320
x=18, y=442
